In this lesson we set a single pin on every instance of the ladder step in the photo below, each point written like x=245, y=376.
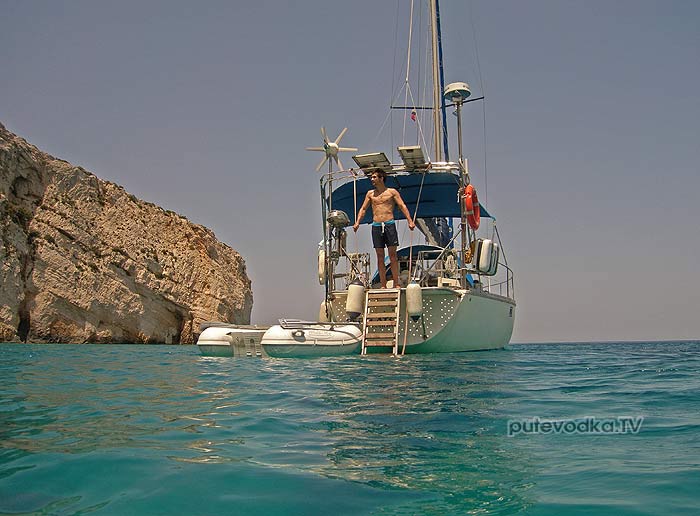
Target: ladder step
x=391, y=302
x=380, y=335
x=370, y=343
x=381, y=319
x=382, y=295
x=381, y=315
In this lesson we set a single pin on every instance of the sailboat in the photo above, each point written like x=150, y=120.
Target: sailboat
x=455, y=291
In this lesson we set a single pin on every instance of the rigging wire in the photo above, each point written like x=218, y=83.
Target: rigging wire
x=408, y=93
x=426, y=81
x=408, y=72
x=410, y=265
x=394, y=74
x=481, y=85
x=421, y=133
x=405, y=89
x=354, y=201
x=421, y=83
x=396, y=39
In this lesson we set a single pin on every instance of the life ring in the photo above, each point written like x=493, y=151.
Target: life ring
x=471, y=203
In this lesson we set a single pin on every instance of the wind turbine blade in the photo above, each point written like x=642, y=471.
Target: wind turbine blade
x=337, y=160
x=316, y=149
x=347, y=149
x=323, y=134
x=342, y=133
x=321, y=164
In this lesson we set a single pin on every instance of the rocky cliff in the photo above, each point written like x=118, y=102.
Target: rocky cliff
x=85, y=261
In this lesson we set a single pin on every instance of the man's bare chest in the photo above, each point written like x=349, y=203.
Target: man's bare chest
x=381, y=199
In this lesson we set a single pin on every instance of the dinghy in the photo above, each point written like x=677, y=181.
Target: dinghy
x=306, y=339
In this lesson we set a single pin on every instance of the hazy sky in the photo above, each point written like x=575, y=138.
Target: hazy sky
x=204, y=108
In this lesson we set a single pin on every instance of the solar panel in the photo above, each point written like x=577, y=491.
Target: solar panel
x=413, y=158
x=369, y=162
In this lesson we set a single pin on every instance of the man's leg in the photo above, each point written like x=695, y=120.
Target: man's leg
x=381, y=266
x=394, y=259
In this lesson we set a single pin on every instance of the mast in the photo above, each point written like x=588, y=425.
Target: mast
x=441, y=82
x=437, y=92
x=440, y=228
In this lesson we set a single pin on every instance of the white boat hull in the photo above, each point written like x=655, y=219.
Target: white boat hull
x=479, y=322
x=452, y=321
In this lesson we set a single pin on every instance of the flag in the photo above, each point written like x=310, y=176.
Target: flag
x=413, y=115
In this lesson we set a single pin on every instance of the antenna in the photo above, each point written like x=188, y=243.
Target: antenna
x=458, y=92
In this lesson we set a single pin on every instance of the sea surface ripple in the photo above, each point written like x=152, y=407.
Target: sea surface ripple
x=148, y=430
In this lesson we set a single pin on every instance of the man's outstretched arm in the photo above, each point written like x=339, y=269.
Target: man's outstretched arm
x=404, y=209
x=361, y=213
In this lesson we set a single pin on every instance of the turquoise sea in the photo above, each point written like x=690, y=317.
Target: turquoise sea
x=141, y=430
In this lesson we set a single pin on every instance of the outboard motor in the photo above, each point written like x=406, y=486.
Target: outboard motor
x=338, y=219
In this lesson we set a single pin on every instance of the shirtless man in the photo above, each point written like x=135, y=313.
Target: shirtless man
x=384, y=233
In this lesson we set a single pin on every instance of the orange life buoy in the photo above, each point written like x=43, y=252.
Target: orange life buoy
x=471, y=203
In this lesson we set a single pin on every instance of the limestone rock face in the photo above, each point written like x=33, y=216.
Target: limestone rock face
x=82, y=260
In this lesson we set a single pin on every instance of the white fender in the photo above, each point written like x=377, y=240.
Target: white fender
x=414, y=300
x=477, y=252
x=494, y=259
x=321, y=266
x=484, y=256
x=322, y=314
x=355, y=303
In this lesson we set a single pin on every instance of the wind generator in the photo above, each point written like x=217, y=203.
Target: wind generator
x=335, y=221
x=331, y=149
